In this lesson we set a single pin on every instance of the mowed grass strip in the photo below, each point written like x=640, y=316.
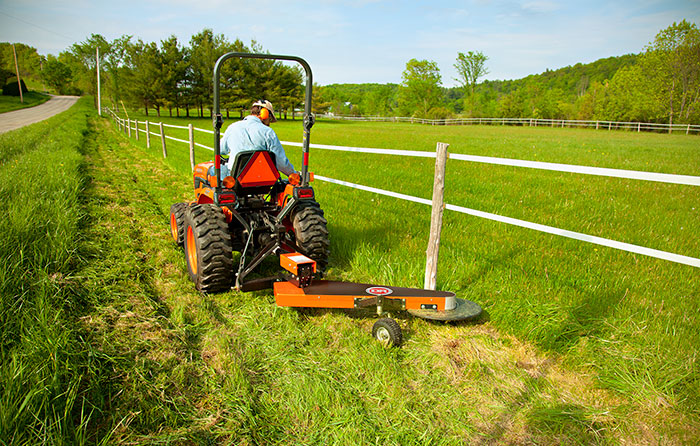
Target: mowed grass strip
x=628, y=321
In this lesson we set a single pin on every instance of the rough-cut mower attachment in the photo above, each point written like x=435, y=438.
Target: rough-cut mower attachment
x=300, y=290
x=426, y=304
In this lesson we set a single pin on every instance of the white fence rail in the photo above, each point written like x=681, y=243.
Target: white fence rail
x=533, y=122
x=687, y=180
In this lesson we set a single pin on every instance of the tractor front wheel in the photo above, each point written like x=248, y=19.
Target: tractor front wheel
x=208, y=248
x=177, y=222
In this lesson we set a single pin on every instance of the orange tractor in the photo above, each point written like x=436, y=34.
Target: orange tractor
x=258, y=214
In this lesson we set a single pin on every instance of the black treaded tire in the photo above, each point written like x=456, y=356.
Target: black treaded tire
x=311, y=233
x=388, y=332
x=177, y=222
x=208, y=249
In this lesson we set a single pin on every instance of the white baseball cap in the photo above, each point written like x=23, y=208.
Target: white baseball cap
x=268, y=105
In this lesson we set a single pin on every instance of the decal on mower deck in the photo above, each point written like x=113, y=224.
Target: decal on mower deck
x=378, y=291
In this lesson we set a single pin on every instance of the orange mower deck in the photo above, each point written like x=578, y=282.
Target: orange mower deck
x=426, y=304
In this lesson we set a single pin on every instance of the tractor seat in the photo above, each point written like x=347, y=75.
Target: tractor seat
x=255, y=172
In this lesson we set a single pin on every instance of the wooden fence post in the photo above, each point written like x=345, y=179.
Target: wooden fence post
x=639, y=127
x=137, y=129
x=687, y=130
x=148, y=136
x=191, y=146
x=162, y=139
x=596, y=125
x=128, y=126
x=433, y=250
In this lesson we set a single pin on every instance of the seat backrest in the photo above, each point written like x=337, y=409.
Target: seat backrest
x=255, y=172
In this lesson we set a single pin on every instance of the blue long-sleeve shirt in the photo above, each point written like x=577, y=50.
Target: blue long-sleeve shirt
x=252, y=134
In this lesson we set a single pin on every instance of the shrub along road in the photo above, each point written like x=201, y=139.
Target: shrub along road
x=20, y=118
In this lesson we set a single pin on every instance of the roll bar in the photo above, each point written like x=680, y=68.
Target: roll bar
x=308, y=120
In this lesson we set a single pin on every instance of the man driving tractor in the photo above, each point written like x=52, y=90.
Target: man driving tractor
x=254, y=133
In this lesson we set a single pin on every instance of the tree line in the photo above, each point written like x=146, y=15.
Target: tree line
x=661, y=84
x=165, y=75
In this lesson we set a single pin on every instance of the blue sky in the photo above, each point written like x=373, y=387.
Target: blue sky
x=367, y=40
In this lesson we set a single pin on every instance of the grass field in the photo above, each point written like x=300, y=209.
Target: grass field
x=580, y=345
x=32, y=98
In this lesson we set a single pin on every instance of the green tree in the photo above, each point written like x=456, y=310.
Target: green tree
x=420, y=90
x=174, y=70
x=673, y=60
x=205, y=48
x=81, y=58
x=470, y=67
x=319, y=101
x=28, y=60
x=146, y=76
x=114, y=70
x=56, y=74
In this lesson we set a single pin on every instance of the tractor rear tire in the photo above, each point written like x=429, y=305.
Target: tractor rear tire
x=208, y=248
x=312, y=234
x=177, y=222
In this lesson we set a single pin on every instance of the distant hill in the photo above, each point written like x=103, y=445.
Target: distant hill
x=566, y=84
x=573, y=80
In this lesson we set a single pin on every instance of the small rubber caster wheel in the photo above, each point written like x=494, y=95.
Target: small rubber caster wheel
x=388, y=332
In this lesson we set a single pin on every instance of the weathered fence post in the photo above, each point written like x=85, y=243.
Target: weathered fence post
x=432, y=252
x=639, y=127
x=596, y=125
x=137, y=129
x=148, y=136
x=191, y=146
x=687, y=130
x=128, y=126
x=162, y=139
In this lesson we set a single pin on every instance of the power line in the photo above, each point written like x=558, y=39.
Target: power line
x=72, y=39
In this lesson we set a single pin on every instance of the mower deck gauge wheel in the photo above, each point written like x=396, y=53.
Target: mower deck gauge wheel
x=388, y=332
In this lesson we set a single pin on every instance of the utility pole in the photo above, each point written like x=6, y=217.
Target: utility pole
x=19, y=83
x=97, y=65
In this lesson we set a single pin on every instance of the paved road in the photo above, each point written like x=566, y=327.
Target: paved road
x=19, y=118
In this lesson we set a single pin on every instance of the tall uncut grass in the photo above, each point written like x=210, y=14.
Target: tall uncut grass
x=47, y=378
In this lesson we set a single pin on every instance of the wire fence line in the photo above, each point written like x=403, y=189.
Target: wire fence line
x=128, y=125
x=532, y=122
